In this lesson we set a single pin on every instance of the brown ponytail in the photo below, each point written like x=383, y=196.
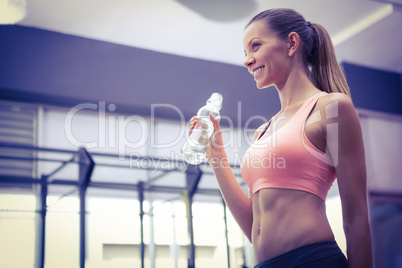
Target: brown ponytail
x=318, y=50
x=325, y=70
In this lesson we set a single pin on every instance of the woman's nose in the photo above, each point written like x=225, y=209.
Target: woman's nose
x=248, y=61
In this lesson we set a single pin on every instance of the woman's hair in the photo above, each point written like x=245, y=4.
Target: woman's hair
x=318, y=50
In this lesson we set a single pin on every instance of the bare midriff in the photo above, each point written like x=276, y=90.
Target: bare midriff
x=286, y=219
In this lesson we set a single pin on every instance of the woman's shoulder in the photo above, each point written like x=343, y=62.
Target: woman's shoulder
x=337, y=105
x=335, y=101
x=336, y=97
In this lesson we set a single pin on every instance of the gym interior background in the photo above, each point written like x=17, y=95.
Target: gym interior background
x=94, y=104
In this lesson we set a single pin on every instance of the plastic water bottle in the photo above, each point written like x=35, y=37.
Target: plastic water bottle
x=194, y=150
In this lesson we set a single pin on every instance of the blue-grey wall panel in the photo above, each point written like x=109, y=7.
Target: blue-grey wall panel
x=44, y=66
x=374, y=89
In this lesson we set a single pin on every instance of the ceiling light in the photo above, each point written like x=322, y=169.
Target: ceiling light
x=12, y=11
x=222, y=10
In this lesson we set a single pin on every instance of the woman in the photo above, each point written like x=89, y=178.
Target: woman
x=316, y=136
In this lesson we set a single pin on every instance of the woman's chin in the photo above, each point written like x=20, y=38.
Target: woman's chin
x=259, y=86
x=262, y=86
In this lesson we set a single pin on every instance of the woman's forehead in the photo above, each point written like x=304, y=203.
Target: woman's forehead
x=256, y=29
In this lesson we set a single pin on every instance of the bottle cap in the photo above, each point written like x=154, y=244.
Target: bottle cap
x=216, y=99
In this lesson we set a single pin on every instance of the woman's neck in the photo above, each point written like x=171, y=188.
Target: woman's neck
x=296, y=90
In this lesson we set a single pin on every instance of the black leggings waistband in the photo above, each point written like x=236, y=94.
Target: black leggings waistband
x=321, y=254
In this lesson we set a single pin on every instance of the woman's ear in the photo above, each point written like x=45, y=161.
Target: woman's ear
x=293, y=43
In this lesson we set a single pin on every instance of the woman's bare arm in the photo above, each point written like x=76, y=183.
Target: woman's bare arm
x=237, y=201
x=345, y=144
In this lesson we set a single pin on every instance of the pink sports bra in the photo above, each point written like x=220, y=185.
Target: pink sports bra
x=286, y=159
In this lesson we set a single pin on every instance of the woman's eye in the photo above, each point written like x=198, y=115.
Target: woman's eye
x=255, y=46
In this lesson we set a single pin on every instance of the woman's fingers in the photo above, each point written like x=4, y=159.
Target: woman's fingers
x=193, y=124
x=214, y=121
x=216, y=138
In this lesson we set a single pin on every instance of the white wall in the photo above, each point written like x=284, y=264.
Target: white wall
x=382, y=134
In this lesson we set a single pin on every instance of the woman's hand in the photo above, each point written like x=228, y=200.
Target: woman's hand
x=193, y=124
x=216, y=153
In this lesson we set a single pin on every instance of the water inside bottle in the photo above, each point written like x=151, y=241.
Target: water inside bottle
x=195, y=149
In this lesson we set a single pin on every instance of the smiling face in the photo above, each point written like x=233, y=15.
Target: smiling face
x=266, y=55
